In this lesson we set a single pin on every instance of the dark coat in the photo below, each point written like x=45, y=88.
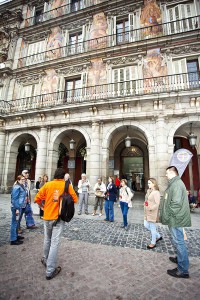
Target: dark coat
x=111, y=192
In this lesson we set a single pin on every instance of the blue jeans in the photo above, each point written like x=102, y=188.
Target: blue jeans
x=52, y=236
x=154, y=234
x=109, y=210
x=124, y=209
x=13, y=227
x=182, y=254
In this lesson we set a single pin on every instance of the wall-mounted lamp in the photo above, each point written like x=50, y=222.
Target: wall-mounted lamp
x=72, y=144
x=27, y=147
x=192, y=138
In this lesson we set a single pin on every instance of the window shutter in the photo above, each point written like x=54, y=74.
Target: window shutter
x=84, y=85
x=47, y=7
x=180, y=79
x=67, y=6
x=66, y=43
x=134, y=24
x=112, y=30
x=32, y=20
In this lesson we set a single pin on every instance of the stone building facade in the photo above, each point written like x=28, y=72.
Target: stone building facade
x=96, y=72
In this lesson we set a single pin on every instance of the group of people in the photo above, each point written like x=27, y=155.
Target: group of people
x=107, y=194
x=21, y=205
x=174, y=212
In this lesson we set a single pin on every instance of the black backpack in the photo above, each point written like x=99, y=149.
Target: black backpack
x=66, y=210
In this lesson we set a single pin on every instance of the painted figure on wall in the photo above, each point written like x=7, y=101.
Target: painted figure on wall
x=98, y=32
x=96, y=76
x=55, y=42
x=57, y=9
x=21, y=62
x=49, y=86
x=153, y=69
x=151, y=18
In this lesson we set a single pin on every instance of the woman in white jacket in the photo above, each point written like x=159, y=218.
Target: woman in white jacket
x=125, y=196
x=83, y=190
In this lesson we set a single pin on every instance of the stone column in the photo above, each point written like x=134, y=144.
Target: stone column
x=72, y=169
x=94, y=171
x=105, y=164
x=41, y=153
x=161, y=154
x=2, y=155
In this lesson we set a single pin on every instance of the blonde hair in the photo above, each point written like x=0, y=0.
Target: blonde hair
x=153, y=180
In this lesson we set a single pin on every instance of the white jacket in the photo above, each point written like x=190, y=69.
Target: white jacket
x=125, y=195
x=80, y=186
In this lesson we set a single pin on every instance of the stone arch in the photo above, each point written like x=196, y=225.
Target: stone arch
x=62, y=131
x=11, y=154
x=136, y=125
x=175, y=126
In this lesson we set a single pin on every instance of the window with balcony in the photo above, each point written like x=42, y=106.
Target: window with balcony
x=35, y=53
x=77, y=5
x=180, y=18
x=122, y=32
x=124, y=80
x=193, y=72
x=73, y=89
x=75, y=43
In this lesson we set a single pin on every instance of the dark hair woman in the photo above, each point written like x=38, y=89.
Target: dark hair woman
x=18, y=201
x=111, y=194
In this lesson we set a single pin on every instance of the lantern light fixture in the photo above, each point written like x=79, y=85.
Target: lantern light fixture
x=27, y=147
x=192, y=138
x=72, y=144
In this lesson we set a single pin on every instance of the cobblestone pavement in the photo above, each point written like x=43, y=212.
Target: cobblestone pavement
x=99, y=261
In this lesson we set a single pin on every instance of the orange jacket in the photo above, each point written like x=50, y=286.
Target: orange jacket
x=50, y=193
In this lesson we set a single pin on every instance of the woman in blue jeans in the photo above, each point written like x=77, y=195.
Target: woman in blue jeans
x=125, y=196
x=110, y=198
x=18, y=202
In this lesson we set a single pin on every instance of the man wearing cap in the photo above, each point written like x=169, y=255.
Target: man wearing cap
x=83, y=189
x=30, y=223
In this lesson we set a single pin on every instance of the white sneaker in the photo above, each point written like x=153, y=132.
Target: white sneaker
x=100, y=215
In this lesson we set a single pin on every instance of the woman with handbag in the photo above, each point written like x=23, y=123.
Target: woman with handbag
x=151, y=208
x=125, y=196
x=99, y=190
x=18, y=202
x=110, y=198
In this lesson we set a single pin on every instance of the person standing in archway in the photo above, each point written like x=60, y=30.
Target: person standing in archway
x=83, y=190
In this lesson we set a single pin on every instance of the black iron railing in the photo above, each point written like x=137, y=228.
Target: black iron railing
x=132, y=36
x=132, y=88
x=59, y=11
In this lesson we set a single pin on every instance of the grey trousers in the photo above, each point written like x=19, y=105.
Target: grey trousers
x=83, y=200
x=52, y=236
x=98, y=201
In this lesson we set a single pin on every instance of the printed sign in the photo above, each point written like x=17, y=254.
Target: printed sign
x=180, y=160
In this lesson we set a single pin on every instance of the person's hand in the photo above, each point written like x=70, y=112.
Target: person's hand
x=145, y=203
x=17, y=212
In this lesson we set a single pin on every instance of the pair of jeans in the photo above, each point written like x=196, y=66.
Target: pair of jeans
x=152, y=227
x=124, y=209
x=109, y=210
x=52, y=236
x=182, y=254
x=13, y=226
x=83, y=199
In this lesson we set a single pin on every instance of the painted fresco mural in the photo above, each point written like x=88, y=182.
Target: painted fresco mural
x=97, y=73
x=151, y=18
x=154, y=68
x=49, y=85
x=57, y=8
x=98, y=32
x=54, y=43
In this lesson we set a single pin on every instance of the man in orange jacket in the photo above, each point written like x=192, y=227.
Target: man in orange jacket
x=50, y=193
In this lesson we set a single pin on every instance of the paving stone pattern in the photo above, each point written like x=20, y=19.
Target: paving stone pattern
x=100, y=261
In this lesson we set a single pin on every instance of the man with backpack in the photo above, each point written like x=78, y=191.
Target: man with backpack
x=51, y=194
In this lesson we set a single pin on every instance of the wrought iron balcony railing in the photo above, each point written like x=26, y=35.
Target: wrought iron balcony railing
x=95, y=94
x=161, y=30
x=59, y=11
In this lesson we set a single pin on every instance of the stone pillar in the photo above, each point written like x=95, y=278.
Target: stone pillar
x=72, y=169
x=94, y=171
x=105, y=164
x=41, y=153
x=161, y=154
x=2, y=155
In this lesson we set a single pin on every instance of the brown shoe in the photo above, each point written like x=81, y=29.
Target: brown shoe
x=20, y=230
